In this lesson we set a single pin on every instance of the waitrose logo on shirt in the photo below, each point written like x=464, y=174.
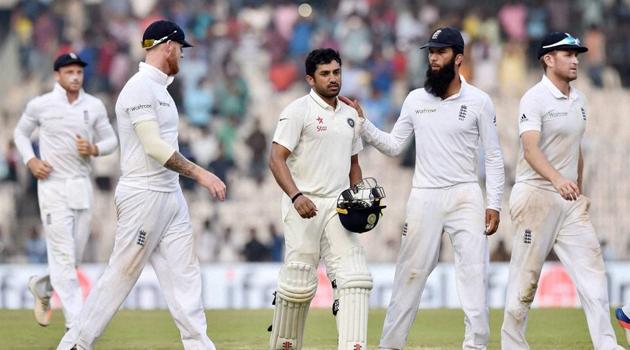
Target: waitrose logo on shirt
x=137, y=108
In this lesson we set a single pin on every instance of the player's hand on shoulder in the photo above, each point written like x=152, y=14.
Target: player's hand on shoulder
x=568, y=189
x=39, y=168
x=493, y=217
x=354, y=104
x=305, y=207
x=85, y=148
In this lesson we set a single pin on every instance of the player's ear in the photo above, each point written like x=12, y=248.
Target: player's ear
x=459, y=59
x=310, y=80
x=57, y=76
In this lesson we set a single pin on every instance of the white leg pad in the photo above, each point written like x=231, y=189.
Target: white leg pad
x=297, y=284
x=354, y=282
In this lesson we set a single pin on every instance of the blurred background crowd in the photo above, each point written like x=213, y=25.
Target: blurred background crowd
x=247, y=64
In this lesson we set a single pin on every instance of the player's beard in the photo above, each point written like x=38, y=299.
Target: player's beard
x=173, y=65
x=327, y=92
x=437, y=82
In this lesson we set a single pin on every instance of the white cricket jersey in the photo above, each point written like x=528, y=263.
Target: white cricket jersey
x=322, y=139
x=59, y=122
x=561, y=121
x=144, y=97
x=448, y=134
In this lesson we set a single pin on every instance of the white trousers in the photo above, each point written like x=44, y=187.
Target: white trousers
x=67, y=228
x=321, y=237
x=152, y=227
x=458, y=211
x=543, y=220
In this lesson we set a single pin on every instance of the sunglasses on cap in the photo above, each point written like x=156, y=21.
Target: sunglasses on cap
x=568, y=40
x=151, y=43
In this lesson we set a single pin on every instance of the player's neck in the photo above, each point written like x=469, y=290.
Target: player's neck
x=453, y=87
x=332, y=101
x=562, y=84
x=72, y=96
x=158, y=63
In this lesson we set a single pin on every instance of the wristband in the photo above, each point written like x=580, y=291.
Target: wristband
x=296, y=197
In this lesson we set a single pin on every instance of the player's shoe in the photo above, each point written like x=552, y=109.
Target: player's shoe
x=41, y=308
x=624, y=322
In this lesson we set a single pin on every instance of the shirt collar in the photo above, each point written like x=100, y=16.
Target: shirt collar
x=554, y=90
x=58, y=89
x=323, y=103
x=155, y=74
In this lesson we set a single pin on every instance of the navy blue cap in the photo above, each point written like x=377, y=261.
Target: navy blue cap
x=446, y=37
x=559, y=41
x=67, y=59
x=162, y=31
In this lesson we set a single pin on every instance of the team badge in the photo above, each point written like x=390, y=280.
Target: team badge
x=73, y=55
x=527, y=237
x=142, y=236
x=350, y=122
x=463, y=110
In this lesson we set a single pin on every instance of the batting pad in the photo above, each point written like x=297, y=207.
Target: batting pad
x=354, y=282
x=297, y=284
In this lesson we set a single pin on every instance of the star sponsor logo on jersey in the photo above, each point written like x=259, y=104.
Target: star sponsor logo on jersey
x=583, y=113
x=463, y=111
x=320, y=126
x=350, y=122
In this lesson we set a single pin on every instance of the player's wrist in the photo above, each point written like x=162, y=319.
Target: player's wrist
x=295, y=197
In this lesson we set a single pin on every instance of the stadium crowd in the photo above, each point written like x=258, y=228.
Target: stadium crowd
x=246, y=65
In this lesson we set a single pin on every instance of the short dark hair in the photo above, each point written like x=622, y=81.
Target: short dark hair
x=320, y=56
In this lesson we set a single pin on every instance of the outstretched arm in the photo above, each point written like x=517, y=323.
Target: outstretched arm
x=392, y=143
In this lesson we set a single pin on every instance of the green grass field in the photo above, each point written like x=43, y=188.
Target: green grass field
x=236, y=330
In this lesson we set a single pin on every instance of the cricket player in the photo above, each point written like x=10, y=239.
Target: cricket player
x=451, y=120
x=153, y=219
x=623, y=317
x=314, y=157
x=73, y=128
x=547, y=206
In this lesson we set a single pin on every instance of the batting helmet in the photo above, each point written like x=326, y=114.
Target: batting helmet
x=359, y=207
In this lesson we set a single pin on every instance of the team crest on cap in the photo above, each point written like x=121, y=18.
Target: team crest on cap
x=73, y=55
x=436, y=34
x=350, y=122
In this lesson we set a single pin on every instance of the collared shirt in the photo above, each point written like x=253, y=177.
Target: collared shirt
x=59, y=123
x=322, y=139
x=144, y=97
x=448, y=134
x=561, y=121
